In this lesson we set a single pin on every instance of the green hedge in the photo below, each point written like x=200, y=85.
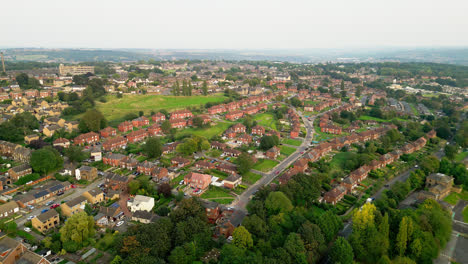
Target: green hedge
x=27, y=178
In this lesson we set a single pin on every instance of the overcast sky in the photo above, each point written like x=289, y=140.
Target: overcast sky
x=235, y=24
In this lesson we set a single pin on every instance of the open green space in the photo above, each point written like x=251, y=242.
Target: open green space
x=461, y=156
x=223, y=200
x=453, y=197
x=216, y=192
x=265, y=165
x=116, y=108
x=217, y=129
x=251, y=177
x=339, y=160
x=365, y=118
x=285, y=150
x=293, y=142
x=266, y=120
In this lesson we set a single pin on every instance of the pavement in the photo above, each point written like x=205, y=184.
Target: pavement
x=70, y=194
x=242, y=200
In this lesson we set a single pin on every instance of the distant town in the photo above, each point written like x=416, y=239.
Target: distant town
x=216, y=161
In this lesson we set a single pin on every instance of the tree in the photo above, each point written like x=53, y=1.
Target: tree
x=152, y=148
x=198, y=122
x=403, y=235
x=117, y=260
x=165, y=189
x=134, y=186
x=244, y=162
x=295, y=247
x=364, y=218
x=204, y=88
x=166, y=127
x=267, y=142
x=255, y=225
x=450, y=151
x=45, y=160
x=92, y=120
x=242, y=238
x=277, y=202
x=22, y=80
x=341, y=252
x=75, y=154
x=78, y=228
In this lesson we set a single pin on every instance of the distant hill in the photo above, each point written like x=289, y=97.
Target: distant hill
x=437, y=55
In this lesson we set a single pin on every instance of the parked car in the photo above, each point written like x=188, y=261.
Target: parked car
x=119, y=223
x=49, y=203
x=181, y=182
x=31, y=207
x=44, y=210
x=54, y=206
x=27, y=229
x=31, y=217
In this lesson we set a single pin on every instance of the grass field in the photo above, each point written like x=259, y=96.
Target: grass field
x=251, y=177
x=265, y=165
x=217, y=129
x=461, y=156
x=285, y=150
x=364, y=117
x=215, y=192
x=292, y=142
x=223, y=201
x=452, y=198
x=115, y=108
x=266, y=120
x=340, y=159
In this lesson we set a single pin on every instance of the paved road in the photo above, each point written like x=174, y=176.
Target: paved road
x=70, y=194
x=268, y=177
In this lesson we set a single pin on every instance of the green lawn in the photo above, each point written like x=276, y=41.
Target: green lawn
x=364, y=117
x=115, y=108
x=285, y=150
x=340, y=159
x=223, y=201
x=292, y=142
x=465, y=214
x=251, y=177
x=461, y=156
x=217, y=129
x=265, y=165
x=266, y=120
x=452, y=198
x=215, y=192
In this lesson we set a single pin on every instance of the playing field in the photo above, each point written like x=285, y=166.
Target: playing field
x=116, y=108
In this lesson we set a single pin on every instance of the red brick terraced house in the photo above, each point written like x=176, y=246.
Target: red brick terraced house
x=140, y=121
x=145, y=167
x=178, y=123
x=180, y=114
x=180, y=162
x=238, y=128
x=197, y=180
x=154, y=130
x=273, y=153
x=258, y=130
x=108, y=132
x=113, y=159
x=159, y=172
x=217, y=109
x=226, y=168
x=232, y=152
x=136, y=136
x=234, y=115
x=158, y=117
x=244, y=139
x=128, y=163
x=335, y=195
x=125, y=126
x=87, y=138
x=204, y=164
x=114, y=143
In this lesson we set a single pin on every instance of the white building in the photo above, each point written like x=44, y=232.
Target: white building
x=141, y=203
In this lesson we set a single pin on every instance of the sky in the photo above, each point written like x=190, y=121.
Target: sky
x=236, y=24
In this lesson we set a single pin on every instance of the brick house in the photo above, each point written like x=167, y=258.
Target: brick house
x=217, y=109
x=154, y=130
x=158, y=117
x=218, y=145
x=204, y=164
x=61, y=142
x=125, y=126
x=258, y=130
x=87, y=138
x=301, y=165
x=113, y=159
x=178, y=123
x=232, y=152
x=238, y=128
x=128, y=163
x=331, y=129
x=230, y=133
x=145, y=167
x=140, y=121
x=114, y=143
x=234, y=115
x=232, y=181
x=197, y=180
x=136, y=136
x=94, y=196
x=73, y=206
x=159, y=173
x=273, y=153
x=46, y=221
x=212, y=211
x=19, y=171
x=226, y=168
x=86, y=173
x=334, y=195
x=108, y=132
x=116, y=182
x=181, y=114
x=244, y=139
x=180, y=162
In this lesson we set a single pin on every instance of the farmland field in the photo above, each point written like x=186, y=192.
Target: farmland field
x=115, y=108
